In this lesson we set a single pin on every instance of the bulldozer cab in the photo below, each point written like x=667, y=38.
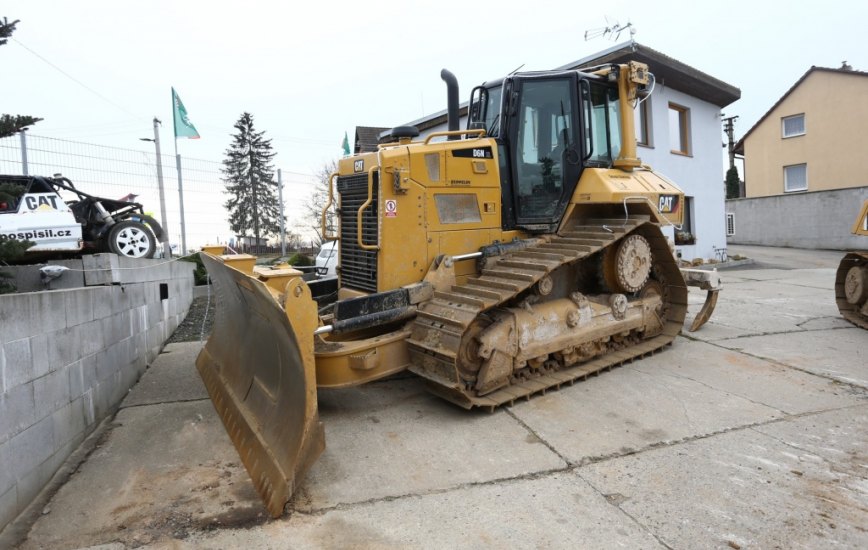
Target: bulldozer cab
x=548, y=128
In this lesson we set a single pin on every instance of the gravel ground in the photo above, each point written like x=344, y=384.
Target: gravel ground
x=190, y=329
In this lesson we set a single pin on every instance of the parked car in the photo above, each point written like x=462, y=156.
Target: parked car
x=327, y=259
x=40, y=215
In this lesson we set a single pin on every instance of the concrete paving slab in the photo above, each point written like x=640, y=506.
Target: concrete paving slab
x=817, y=278
x=840, y=354
x=170, y=378
x=379, y=444
x=635, y=407
x=787, y=258
x=762, y=306
x=554, y=511
x=747, y=489
x=734, y=319
x=760, y=381
x=761, y=274
x=671, y=445
x=162, y=471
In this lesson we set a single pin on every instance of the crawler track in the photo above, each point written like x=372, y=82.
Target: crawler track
x=444, y=324
x=855, y=313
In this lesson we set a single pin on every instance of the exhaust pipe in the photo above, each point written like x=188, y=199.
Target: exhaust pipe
x=451, y=101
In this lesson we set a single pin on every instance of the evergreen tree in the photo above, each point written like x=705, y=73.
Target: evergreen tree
x=6, y=29
x=249, y=175
x=9, y=124
x=12, y=249
x=732, y=183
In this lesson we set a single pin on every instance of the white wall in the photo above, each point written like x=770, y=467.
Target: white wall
x=700, y=175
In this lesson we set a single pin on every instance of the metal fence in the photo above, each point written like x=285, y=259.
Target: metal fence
x=115, y=172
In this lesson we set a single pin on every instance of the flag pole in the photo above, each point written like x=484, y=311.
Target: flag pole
x=181, y=199
x=180, y=113
x=180, y=179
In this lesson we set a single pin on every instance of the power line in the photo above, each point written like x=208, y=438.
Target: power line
x=77, y=81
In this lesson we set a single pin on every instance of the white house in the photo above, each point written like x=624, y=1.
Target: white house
x=679, y=134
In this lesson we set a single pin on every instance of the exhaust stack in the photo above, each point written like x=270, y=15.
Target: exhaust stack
x=451, y=101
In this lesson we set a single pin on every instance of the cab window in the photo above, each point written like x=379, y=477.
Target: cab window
x=545, y=133
x=602, y=125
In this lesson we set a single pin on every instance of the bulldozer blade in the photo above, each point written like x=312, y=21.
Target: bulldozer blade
x=706, y=280
x=258, y=368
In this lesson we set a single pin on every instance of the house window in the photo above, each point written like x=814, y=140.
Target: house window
x=792, y=126
x=679, y=129
x=643, y=123
x=796, y=178
x=685, y=235
x=730, y=224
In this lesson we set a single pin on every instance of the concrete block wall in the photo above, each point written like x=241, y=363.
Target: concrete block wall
x=816, y=220
x=68, y=357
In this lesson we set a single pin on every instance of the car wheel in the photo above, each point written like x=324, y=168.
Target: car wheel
x=132, y=239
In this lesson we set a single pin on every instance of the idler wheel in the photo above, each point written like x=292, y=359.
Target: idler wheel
x=856, y=285
x=627, y=266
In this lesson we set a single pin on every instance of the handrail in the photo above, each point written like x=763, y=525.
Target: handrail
x=324, y=225
x=366, y=204
x=477, y=132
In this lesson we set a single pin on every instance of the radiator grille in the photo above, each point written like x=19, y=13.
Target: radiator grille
x=358, y=266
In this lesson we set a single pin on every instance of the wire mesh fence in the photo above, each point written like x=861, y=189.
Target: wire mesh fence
x=115, y=172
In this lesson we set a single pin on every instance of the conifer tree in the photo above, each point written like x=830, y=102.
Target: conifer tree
x=732, y=183
x=12, y=249
x=248, y=174
x=12, y=124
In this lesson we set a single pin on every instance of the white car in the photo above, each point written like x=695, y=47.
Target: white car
x=38, y=213
x=327, y=260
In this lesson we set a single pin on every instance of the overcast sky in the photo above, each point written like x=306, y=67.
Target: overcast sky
x=310, y=71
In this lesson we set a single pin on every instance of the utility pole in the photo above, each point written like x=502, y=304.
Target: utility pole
x=729, y=128
x=25, y=169
x=280, y=201
x=167, y=249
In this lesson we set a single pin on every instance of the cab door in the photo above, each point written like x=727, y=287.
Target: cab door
x=544, y=145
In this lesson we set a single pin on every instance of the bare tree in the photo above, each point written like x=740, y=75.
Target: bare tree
x=312, y=209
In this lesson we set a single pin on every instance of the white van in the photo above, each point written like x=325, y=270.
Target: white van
x=327, y=259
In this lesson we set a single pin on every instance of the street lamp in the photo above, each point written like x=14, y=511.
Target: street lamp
x=167, y=250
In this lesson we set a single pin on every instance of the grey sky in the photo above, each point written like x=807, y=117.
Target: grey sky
x=309, y=71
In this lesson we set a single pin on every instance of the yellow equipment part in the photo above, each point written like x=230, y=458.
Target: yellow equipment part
x=258, y=367
x=851, y=279
x=436, y=274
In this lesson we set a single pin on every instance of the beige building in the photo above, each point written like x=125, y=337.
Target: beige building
x=813, y=139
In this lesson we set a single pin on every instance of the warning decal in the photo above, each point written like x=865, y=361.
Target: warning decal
x=391, y=208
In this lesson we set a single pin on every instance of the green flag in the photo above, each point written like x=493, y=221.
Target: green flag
x=346, y=145
x=183, y=126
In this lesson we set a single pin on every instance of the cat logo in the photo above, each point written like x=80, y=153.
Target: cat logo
x=359, y=166
x=668, y=204
x=41, y=202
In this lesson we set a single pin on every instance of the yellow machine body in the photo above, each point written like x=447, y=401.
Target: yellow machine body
x=435, y=276
x=851, y=279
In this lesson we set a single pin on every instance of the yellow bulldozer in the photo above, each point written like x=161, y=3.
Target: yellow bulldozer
x=521, y=253
x=851, y=279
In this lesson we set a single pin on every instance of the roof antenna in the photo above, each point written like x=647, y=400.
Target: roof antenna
x=611, y=31
x=517, y=69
